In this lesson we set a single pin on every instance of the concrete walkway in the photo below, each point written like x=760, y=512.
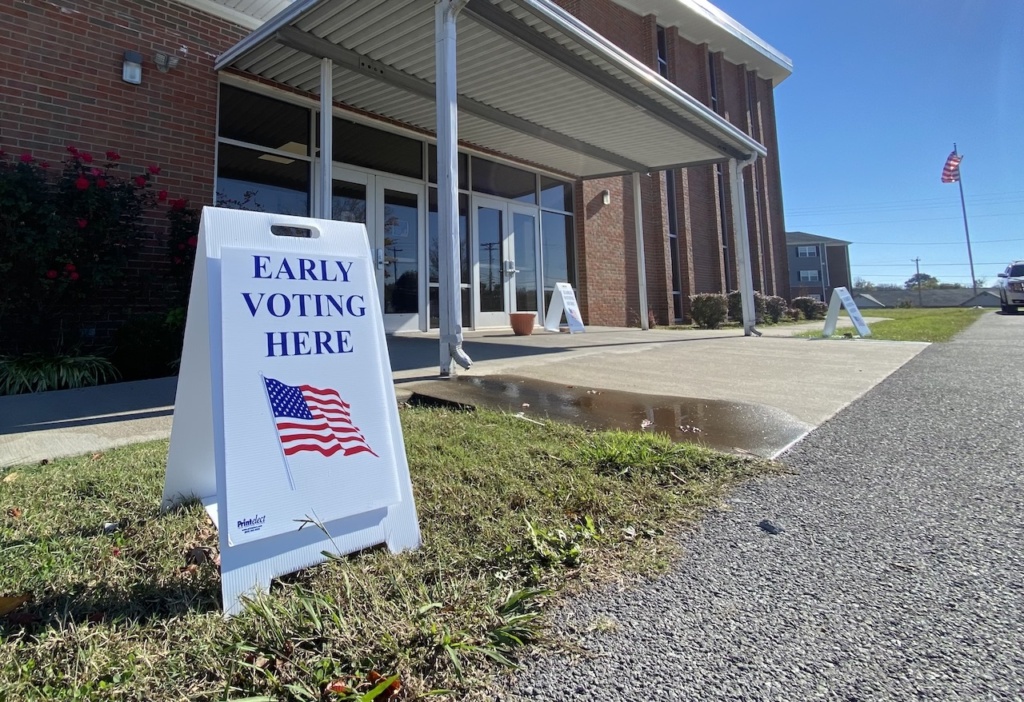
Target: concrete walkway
x=808, y=379
x=892, y=570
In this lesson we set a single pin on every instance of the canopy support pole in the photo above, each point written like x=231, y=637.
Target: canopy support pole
x=641, y=258
x=326, y=174
x=739, y=226
x=449, y=269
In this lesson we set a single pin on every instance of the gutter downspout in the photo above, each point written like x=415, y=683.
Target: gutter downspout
x=449, y=270
x=741, y=234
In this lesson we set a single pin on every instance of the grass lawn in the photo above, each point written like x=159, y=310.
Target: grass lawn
x=513, y=515
x=912, y=324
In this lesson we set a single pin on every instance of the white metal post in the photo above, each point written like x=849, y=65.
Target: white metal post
x=325, y=176
x=641, y=262
x=449, y=270
x=739, y=220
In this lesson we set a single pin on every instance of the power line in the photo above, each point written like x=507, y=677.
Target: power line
x=930, y=265
x=906, y=221
x=905, y=203
x=930, y=243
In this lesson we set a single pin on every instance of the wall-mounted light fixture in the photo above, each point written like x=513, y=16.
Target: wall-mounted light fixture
x=131, y=69
x=165, y=62
x=606, y=197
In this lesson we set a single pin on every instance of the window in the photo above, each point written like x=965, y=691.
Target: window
x=248, y=179
x=662, y=53
x=555, y=194
x=557, y=253
x=463, y=161
x=281, y=126
x=673, y=244
x=806, y=251
x=359, y=145
x=814, y=296
x=809, y=277
x=504, y=181
x=712, y=82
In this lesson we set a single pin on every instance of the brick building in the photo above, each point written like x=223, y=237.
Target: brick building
x=549, y=148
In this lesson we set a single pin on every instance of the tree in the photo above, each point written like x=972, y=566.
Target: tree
x=862, y=284
x=922, y=280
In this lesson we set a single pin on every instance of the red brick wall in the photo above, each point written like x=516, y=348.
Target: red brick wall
x=60, y=84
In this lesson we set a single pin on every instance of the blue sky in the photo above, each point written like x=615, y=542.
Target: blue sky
x=880, y=91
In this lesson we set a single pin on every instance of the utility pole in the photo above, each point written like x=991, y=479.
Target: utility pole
x=917, y=262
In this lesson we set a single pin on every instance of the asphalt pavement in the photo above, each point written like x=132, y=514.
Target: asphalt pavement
x=894, y=573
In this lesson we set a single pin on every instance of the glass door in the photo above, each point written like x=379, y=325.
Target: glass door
x=399, y=227
x=392, y=211
x=506, y=260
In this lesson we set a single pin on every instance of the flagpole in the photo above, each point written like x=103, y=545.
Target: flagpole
x=967, y=232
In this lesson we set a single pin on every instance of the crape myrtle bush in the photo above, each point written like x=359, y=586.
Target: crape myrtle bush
x=811, y=308
x=775, y=308
x=708, y=310
x=67, y=237
x=736, y=306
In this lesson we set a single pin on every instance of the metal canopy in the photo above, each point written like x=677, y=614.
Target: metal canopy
x=534, y=83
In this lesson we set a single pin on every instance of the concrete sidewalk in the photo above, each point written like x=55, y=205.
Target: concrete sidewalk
x=810, y=380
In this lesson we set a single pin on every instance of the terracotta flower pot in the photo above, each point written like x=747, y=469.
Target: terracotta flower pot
x=522, y=322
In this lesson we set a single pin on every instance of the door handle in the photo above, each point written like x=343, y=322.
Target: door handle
x=380, y=258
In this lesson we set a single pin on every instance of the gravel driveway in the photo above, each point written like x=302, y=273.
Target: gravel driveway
x=899, y=573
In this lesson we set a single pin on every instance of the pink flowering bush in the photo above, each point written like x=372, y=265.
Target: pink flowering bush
x=65, y=235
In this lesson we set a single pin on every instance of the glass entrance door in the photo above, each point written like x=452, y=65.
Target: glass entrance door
x=506, y=260
x=392, y=211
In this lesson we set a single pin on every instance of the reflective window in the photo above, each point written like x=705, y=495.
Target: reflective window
x=280, y=125
x=524, y=229
x=463, y=236
x=432, y=167
x=262, y=182
x=364, y=146
x=401, y=252
x=491, y=251
x=435, y=303
x=504, y=181
x=348, y=202
x=558, y=252
x=809, y=277
x=555, y=194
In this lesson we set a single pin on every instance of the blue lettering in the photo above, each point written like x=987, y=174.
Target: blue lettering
x=306, y=268
x=271, y=307
x=356, y=310
x=301, y=342
x=260, y=265
x=274, y=340
x=248, y=301
x=343, y=266
x=284, y=270
x=323, y=341
x=344, y=341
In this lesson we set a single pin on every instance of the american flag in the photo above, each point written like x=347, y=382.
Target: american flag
x=311, y=419
x=951, y=171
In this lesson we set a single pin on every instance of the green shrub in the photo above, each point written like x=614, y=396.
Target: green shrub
x=794, y=314
x=64, y=238
x=736, y=306
x=905, y=303
x=774, y=308
x=708, y=310
x=812, y=309
x=38, y=373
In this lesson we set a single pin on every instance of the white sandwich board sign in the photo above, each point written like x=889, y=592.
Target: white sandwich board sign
x=841, y=298
x=285, y=415
x=563, y=299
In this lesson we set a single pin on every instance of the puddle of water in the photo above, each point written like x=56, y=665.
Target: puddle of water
x=726, y=426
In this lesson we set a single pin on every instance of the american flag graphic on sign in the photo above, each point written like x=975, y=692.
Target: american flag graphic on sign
x=311, y=419
x=951, y=171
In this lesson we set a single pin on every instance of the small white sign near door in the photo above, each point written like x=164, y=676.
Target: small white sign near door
x=285, y=421
x=841, y=298
x=563, y=299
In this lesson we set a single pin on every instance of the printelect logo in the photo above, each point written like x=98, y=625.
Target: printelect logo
x=250, y=525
